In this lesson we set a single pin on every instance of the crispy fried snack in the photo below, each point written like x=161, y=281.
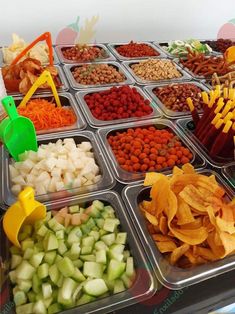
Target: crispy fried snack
x=189, y=217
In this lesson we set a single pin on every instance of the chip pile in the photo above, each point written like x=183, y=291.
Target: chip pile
x=189, y=217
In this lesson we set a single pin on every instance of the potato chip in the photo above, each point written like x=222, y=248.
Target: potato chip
x=197, y=223
x=184, y=214
x=159, y=194
x=166, y=246
x=204, y=253
x=224, y=225
x=188, y=169
x=178, y=252
x=189, y=254
x=193, y=198
x=163, y=225
x=152, y=177
x=152, y=219
x=161, y=238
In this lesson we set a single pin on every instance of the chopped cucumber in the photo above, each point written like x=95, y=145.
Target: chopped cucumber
x=62, y=247
x=88, y=241
x=20, y=298
x=42, y=231
x=121, y=238
x=25, y=271
x=39, y=308
x=101, y=257
x=25, y=309
x=89, y=258
x=36, y=284
x=15, y=250
x=59, y=234
x=78, y=276
x=74, y=236
x=66, y=291
x=60, y=281
x=73, y=209
x=24, y=285
x=22, y=236
x=50, y=242
x=15, y=261
x=85, y=298
x=130, y=271
x=78, y=263
x=27, y=243
x=126, y=254
x=49, y=257
x=66, y=267
x=100, y=245
x=100, y=222
x=98, y=204
x=118, y=286
x=85, y=229
x=127, y=281
x=95, y=287
x=108, y=239
x=46, y=290
x=93, y=269
x=54, y=308
x=28, y=253
x=90, y=223
x=36, y=259
x=47, y=302
x=95, y=235
x=110, y=283
x=86, y=250
x=110, y=224
x=115, y=269
x=43, y=271
x=13, y=276
x=58, y=258
x=77, y=292
x=55, y=225
x=31, y=296
x=54, y=273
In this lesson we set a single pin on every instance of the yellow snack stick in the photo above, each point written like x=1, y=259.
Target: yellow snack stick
x=216, y=118
x=220, y=105
x=219, y=123
x=218, y=88
x=205, y=98
x=231, y=93
x=228, y=117
x=227, y=127
x=227, y=108
x=225, y=92
x=190, y=104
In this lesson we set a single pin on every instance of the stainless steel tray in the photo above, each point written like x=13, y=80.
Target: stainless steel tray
x=145, y=284
x=171, y=276
x=218, y=162
x=113, y=46
x=185, y=76
x=77, y=86
x=2, y=64
x=127, y=177
x=106, y=181
x=156, y=113
x=229, y=173
x=167, y=112
x=109, y=56
x=68, y=101
x=64, y=87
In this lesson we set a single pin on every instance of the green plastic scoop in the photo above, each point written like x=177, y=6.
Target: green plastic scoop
x=16, y=132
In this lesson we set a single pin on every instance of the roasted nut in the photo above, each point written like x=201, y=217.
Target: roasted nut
x=155, y=69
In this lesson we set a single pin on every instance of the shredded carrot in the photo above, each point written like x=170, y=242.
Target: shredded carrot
x=46, y=115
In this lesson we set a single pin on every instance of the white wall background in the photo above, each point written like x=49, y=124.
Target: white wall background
x=119, y=20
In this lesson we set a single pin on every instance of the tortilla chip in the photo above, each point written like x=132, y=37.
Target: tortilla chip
x=193, y=198
x=204, y=253
x=183, y=214
x=152, y=177
x=166, y=246
x=159, y=194
x=228, y=241
x=213, y=188
x=152, y=219
x=189, y=236
x=197, y=223
x=177, y=171
x=227, y=213
x=178, y=252
x=224, y=225
x=188, y=169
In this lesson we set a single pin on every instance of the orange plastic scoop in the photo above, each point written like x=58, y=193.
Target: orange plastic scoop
x=47, y=37
x=230, y=54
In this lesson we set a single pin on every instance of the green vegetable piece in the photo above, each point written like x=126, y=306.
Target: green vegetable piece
x=101, y=257
x=28, y=253
x=31, y=296
x=13, y=276
x=93, y=269
x=100, y=222
x=15, y=250
x=62, y=247
x=36, y=259
x=27, y=243
x=95, y=235
x=60, y=234
x=20, y=298
x=126, y=254
x=36, y=284
x=75, y=251
x=115, y=269
x=66, y=267
x=110, y=224
x=39, y=308
x=85, y=298
x=54, y=273
x=25, y=271
x=127, y=280
x=42, y=231
x=100, y=245
x=49, y=257
x=98, y=204
x=60, y=281
x=89, y=258
x=25, y=285
x=73, y=209
x=90, y=223
x=130, y=271
x=46, y=290
x=110, y=211
x=43, y=271
x=108, y=239
x=25, y=309
x=15, y=261
x=47, y=302
x=86, y=250
x=121, y=238
x=55, y=225
x=50, y=242
x=118, y=286
x=22, y=236
x=78, y=263
x=54, y=308
x=110, y=283
x=88, y=241
x=77, y=293
x=74, y=235
x=78, y=276
x=66, y=292
x=95, y=287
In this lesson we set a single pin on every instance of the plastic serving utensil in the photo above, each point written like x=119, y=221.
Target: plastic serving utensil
x=47, y=37
x=230, y=54
x=25, y=211
x=45, y=77
x=17, y=132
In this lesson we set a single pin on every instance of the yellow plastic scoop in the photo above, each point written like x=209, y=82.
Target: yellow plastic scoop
x=25, y=211
x=230, y=54
x=45, y=77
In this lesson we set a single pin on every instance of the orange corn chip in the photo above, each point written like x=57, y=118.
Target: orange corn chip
x=163, y=225
x=188, y=169
x=184, y=213
x=166, y=246
x=161, y=238
x=178, y=252
x=204, y=253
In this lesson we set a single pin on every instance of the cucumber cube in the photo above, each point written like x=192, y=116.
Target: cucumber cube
x=93, y=269
x=100, y=256
x=115, y=252
x=121, y=238
x=75, y=251
x=95, y=235
x=62, y=247
x=60, y=281
x=126, y=254
x=49, y=257
x=100, y=222
x=85, y=298
x=89, y=258
x=54, y=308
x=118, y=286
x=110, y=283
x=86, y=250
x=27, y=229
x=36, y=259
x=66, y=267
x=31, y=296
x=39, y=308
x=15, y=261
x=100, y=245
x=115, y=269
x=88, y=241
x=36, y=284
x=22, y=236
x=50, y=242
x=48, y=216
x=46, y=290
x=42, y=231
x=93, y=211
x=58, y=258
x=127, y=280
x=28, y=253
x=74, y=236
x=25, y=271
x=43, y=271
x=108, y=239
x=55, y=225
x=27, y=243
x=85, y=229
x=102, y=232
x=13, y=276
x=109, y=209
x=25, y=309
x=73, y=209
x=24, y=285
x=47, y=302
x=78, y=263
x=59, y=234
x=110, y=224
x=15, y=250
x=66, y=291
x=130, y=271
x=20, y=298
x=90, y=223
x=95, y=287
x=77, y=292
x=98, y=204
x=78, y=276
x=54, y=273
